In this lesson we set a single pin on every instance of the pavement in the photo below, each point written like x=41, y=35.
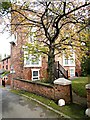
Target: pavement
x=76, y=99
x=15, y=106
x=79, y=100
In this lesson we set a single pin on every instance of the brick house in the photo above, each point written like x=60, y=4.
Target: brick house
x=5, y=69
x=23, y=68
x=31, y=70
x=5, y=63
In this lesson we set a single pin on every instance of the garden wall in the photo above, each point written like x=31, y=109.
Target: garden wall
x=54, y=92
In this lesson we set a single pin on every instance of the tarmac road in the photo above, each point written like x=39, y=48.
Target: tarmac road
x=15, y=106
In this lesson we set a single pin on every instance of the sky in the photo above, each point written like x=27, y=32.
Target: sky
x=4, y=42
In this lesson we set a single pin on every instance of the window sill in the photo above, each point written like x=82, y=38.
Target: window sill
x=71, y=65
x=32, y=66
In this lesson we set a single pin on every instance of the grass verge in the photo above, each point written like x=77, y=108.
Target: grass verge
x=78, y=86
x=73, y=110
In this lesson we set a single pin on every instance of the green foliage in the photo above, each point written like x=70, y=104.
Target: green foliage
x=36, y=48
x=33, y=49
x=5, y=73
x=85, y=66
x=5, y=6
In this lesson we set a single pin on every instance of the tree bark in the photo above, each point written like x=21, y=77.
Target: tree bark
x=51, y=61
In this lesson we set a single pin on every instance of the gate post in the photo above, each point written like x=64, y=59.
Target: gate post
x=88, y=100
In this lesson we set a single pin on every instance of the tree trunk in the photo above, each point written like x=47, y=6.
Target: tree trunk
x=51, y=60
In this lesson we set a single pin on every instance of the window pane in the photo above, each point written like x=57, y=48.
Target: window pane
x=7, y=67
x=66, y=61
x=72, y=72
x=35, y=73
x=27, y=61
x=71, y=61
x=31, y=60
x=34, y=61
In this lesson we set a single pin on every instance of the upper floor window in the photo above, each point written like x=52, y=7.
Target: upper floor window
x=7, y=60
x=66, y=61
x=6, y=67
x=32, y=34
x=31, y=60
x=70, y=61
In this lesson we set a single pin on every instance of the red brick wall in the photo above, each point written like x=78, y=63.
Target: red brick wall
x=9, y=80
x=17, y=51
x=78, y=68
x=54, y=92
x=27, y=73
x=17, y=59
x=20, y=70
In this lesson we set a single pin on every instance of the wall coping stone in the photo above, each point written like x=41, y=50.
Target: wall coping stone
x=62, y=81
x=87, y=86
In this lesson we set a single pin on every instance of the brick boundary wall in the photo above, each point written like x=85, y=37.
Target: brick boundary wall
x=54, y=92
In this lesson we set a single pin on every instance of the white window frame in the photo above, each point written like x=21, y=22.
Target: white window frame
x=66, y=61
x=35, y=76
x=30, y=62
x=72, y=74
x=70, y=59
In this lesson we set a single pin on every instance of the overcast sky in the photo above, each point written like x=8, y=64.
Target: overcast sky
x=4, y=42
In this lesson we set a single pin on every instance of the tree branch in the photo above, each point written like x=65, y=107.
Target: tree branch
x=25, y=16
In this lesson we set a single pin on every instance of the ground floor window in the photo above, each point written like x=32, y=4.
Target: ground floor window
x=72, y=72
x=35, y=74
